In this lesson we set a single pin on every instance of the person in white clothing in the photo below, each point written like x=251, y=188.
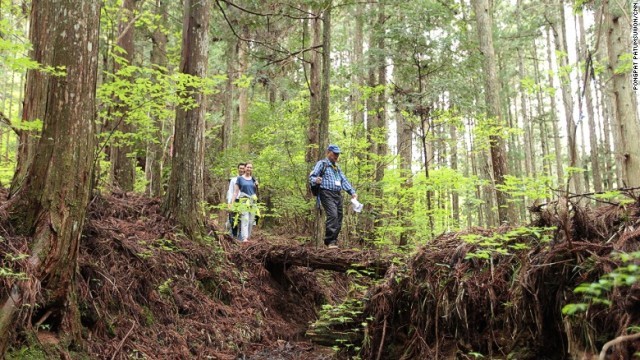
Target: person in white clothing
x=246, y=190
x=234, y=220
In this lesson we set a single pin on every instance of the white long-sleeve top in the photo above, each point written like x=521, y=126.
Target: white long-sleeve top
x=232, y=188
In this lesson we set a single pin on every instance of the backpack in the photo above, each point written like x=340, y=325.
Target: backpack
x=315, y=187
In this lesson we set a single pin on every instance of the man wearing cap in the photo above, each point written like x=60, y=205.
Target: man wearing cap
x=332, y=181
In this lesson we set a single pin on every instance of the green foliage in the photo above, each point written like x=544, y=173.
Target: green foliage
x=625, y=64
x=502, y=244
x=528, y=188
x=165, y=288
x=34, y=352
x=596, y=292
x=8, y=272
x=614, y=197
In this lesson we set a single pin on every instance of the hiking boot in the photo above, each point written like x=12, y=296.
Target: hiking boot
x=332, y=246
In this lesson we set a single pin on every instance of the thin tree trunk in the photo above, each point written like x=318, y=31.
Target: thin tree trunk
x=593, y=139
x=153, y=162
x=381, y=114
x=455, y=198
x=326, y=77
x=546, y=163
x=358, y=78
x=559, y=32
x=554, y=115
x=122, y=164
x=51, y=206
x=607, y=177
x=314, y=152
x=506, y=213
x=243, y=91
x=404, y=133
x=186, y=191
x=227, y=127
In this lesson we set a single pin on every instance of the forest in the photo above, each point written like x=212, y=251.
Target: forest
x=491, y=144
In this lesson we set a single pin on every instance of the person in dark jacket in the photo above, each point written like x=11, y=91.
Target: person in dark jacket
x=332, y=181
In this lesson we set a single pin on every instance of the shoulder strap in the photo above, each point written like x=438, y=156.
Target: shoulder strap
x=324, y=167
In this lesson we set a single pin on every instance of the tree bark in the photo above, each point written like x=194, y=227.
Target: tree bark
x=618, y=37
x=357, y=78
x=36, y=88
x=542, y=123
x=186, y=191
x=341, y=260
x=554, y=116
x=326, y=78
x=559, y=32
x=455, y=197
x=51, y=206
x=593, y=139
x=314, y=152
x=122, y=165
x=381, y=113
x=243, y=91
x=404, y=134
x=506, y=213
x=153, y=161
x=227, y=127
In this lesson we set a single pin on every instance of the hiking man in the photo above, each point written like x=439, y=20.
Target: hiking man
x=232, y=215
x=332, y=181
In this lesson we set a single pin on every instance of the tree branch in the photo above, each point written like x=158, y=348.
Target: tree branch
x=5, y=120
x=619, y=339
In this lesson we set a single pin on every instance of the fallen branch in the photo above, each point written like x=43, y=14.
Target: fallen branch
x=339, y=260
x=616, y=341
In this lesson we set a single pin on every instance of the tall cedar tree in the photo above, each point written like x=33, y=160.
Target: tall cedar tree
x=492, y=101
x=186, y=190
x=122, y=167
x=51, y=206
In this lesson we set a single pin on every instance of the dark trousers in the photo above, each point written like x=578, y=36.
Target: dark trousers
x=234, y=220
x=332, y=203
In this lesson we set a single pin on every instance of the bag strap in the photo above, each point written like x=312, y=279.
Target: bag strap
x=324, y=168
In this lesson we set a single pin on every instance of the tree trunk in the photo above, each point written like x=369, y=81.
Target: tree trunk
x=455, y=198
x=554, y=116
x=618, y=37
x=541, y=118
x=326, y=77
x=358, y=78
x=404, y=133
x=36, y=89
x=243, y=91
x=122, y=165
x=559, y=32
x=526, y=120
x=492, y=100
x=607, y=178
x=381, y=113
x=153, y=164
x=51, y=206
x=186, y=191
x=314, y=153
x=227, y=127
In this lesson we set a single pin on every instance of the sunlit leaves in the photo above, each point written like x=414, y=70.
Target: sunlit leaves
x=627, y=274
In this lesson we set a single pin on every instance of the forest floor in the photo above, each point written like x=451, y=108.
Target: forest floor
x=146, y=291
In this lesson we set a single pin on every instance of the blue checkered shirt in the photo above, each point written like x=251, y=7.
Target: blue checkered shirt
x=331, y=173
